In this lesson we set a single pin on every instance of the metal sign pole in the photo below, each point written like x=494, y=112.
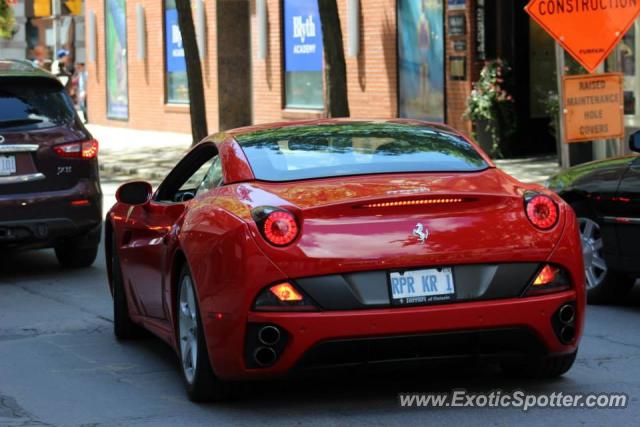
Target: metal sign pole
x=563, y=147
x=599, y=146
x=55, y=11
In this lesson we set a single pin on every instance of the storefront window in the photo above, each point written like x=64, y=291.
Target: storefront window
x=421, y=59
x=175, y=65
x=116, y=59
x=303, y=57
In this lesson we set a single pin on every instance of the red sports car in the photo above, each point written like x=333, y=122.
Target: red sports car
x=328, y=243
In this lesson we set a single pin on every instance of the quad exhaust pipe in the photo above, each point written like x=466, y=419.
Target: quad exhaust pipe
x=567, y=314
x=269, y=335
x=564, y=325
x=567, y=334
x=264, y=356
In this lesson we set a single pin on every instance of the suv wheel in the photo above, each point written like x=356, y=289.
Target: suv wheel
x=603, y=284
x=71, y=255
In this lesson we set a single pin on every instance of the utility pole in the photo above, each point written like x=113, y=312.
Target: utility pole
x=56, y=11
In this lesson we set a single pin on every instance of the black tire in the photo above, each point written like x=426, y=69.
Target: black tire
x=71, y=255
x=123, y=327
x=613, y=289
x=540, y=368
x=610, y=286
x=204, y=386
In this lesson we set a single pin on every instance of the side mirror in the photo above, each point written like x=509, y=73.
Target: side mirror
x=134, y=193
x=634, y=142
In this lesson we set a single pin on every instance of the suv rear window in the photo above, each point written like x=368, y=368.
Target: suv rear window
x=307, y=152
x=33, y=103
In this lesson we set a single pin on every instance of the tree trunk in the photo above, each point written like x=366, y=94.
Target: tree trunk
x=194, y=71
x=335, y=65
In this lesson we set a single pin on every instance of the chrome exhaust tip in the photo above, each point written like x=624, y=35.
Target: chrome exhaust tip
x=269, y=335
x=567, y=314
x=264, y=356
x=567, y=334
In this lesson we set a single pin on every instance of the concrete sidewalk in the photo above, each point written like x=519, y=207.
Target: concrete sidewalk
x=127, y=154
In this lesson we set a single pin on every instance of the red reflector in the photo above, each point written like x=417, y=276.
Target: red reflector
x=542, y=211
x=280, y=228
x=285, y=292
x=83, y=150
x=546, y=276
x=83, y=202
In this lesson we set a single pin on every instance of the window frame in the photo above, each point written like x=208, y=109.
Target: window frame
x=183, y=171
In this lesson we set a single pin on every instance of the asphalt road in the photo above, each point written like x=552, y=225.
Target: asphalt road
x=60, y=365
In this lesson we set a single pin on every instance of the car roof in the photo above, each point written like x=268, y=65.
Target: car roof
x=19, y=68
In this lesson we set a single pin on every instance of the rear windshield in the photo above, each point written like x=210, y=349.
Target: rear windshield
x=33, y=103
x=308, y=152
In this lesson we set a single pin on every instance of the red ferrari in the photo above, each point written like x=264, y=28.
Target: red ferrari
x=307, y=245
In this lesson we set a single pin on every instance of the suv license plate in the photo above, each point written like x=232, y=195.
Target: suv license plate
x=7, y=165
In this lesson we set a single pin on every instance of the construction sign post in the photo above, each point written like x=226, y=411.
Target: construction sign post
x=587, y=29
x=593, y=107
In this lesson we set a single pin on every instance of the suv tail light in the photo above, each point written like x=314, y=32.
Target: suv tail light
x=278, y=226
x=549, y=279
x=542, y=211
x=79, y=150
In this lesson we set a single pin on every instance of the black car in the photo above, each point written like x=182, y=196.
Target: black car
x=50, y=192
x=606, y=197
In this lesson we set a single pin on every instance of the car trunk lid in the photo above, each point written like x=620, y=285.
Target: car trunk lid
x=401, y=221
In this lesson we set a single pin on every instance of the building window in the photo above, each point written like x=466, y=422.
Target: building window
x=177, y=89
x=421, y=59
x=303, y=58
x=116, y=59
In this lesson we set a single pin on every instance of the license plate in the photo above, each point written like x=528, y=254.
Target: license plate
x=7, y=165
x=422, y=286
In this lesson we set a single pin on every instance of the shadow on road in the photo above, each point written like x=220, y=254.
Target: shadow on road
x=39, y=264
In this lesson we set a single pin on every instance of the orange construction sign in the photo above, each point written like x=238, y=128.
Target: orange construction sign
x=593, y=107
x=587, y=29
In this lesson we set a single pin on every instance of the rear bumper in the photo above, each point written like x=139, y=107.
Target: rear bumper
x=230, y=323
x=460, y=329
x=42, y=219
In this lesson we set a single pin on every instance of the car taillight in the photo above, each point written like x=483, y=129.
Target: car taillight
x=550, y=278
x=278, y=226
x=78, y=150
x=283, y=297
x=542, y=211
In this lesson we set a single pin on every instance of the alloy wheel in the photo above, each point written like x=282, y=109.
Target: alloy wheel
x=188, y=329
x=594, y=263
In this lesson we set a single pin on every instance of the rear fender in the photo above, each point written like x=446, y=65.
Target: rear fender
x=228, y=270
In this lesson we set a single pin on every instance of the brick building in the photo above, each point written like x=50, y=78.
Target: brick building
x=412, y=58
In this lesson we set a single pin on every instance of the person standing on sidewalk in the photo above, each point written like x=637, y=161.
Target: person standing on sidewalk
x=60, y=68
x=79, y=82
